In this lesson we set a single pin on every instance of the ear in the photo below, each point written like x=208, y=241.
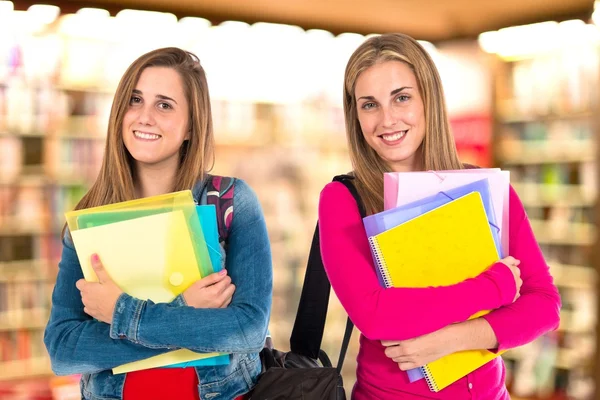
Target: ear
x=188, y=135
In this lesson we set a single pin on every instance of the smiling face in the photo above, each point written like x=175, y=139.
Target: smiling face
x=157, y=120
x=391, y=114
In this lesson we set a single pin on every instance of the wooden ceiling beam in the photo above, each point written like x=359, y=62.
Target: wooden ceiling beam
x=445, y=22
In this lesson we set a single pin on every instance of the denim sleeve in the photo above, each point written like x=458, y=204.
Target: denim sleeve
x=239, y=328
x=75, y=342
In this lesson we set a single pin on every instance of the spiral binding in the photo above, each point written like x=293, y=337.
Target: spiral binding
x=387, y=280
x=429, y=378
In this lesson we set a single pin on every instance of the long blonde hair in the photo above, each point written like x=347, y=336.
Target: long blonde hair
x=115, y=181
x=438, y=149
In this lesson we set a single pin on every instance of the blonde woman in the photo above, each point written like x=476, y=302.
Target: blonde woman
x=160, y=140
x=396, y=120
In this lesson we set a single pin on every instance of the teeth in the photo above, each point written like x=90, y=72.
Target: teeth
x=395, y=136
x=143, y=135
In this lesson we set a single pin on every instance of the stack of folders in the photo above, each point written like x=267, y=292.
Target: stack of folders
x=441, y=228
x=153, y=248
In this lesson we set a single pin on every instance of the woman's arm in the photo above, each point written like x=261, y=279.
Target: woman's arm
x=537, y=310
x=239, y=328
x=396, y=313
x=416, y=352
x=75, y=342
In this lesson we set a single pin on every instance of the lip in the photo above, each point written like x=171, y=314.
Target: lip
x=394, y=132
x=394, y=142
x=147, y=133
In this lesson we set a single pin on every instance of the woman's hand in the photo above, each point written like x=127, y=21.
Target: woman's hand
x=513, y=264
x=473, y=334
x=99, y=298
x=416, y=352
x=212, y=291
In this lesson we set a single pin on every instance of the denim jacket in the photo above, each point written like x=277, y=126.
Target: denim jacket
x=78, y=344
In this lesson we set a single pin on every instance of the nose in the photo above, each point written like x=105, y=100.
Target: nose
x=389, y=117
x=146, y=115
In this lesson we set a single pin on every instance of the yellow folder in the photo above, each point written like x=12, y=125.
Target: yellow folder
x=442, y=247
x=151, y=258
x=182, y=200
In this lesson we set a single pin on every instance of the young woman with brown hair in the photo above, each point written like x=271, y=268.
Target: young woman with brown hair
x=160, y=140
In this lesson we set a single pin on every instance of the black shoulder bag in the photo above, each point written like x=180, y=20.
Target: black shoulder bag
x=306, y=372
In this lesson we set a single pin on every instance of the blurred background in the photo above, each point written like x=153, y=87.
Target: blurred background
x=521, y=80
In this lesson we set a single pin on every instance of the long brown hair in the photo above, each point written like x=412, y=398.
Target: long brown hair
x=115, y=181
x=438, y=149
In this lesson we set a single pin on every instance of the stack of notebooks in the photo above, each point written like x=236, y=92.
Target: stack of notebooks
x=153, y=248
x=438, y=229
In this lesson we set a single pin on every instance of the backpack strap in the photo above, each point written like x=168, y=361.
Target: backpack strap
x=307, y=333
x=219, y=192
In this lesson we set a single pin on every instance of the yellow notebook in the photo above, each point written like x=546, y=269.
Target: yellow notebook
x=151, y=258
x=442, y=247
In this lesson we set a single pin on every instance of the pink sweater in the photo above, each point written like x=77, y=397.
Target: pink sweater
x=380, y=315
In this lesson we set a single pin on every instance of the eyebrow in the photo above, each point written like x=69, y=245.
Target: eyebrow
x=396, y=91
x=160, y=96
x=392, y=93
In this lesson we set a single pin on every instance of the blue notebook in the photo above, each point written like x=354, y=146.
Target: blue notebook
x=381, y=222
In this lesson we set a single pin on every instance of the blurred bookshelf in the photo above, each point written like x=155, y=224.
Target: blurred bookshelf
x=287, y=171
x=46, y=166
x=545, y=133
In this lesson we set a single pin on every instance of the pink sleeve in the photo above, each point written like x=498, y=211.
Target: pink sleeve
x=537, y=310
x=396, y=313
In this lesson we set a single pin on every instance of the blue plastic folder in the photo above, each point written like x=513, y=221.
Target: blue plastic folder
x=381, y=222
x=208, y=221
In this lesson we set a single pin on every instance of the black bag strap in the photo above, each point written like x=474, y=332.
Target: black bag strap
x=309, y=325
x=345, y=343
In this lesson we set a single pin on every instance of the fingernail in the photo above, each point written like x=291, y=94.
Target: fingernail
x=223, y=272
x=95, y=258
